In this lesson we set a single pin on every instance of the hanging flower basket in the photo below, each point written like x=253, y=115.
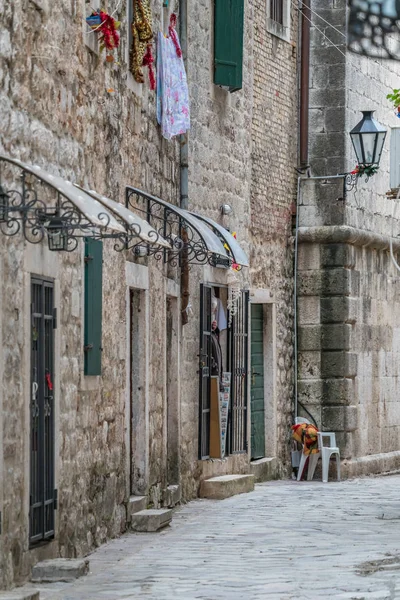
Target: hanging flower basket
x=106, y=26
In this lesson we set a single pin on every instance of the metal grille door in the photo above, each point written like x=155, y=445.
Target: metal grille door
x=205, y=371
x=42, y=493
x=238, y=350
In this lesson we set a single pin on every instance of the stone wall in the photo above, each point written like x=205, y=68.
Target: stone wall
x=347, y=307
x=273, y=189
x=63, y=107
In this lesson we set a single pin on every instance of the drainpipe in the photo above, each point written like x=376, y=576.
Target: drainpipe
x=184, y=171
x=304, y=82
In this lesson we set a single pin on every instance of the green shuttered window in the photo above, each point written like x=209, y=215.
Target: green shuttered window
x=228, y=43
x=93, y=305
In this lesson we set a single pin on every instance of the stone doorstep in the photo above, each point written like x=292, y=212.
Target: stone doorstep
x=225, y=486
x=59, y=569
x=20, y=595
x=264, y=469
x=151, y=520
x=135, y=505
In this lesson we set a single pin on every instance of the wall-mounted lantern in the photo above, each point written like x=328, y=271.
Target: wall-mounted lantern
x=368, y=137
x=57, y=234
x=4, y=204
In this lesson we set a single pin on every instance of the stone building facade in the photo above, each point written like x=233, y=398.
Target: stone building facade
x=348, y=308
x=131, y=434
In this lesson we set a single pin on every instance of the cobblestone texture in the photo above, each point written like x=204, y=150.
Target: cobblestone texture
x=286, y=540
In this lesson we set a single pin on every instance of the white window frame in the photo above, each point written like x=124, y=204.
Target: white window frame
x=395, y=157
x=280, y=31
x=89, y=36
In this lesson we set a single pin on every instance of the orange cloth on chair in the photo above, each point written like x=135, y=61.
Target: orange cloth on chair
x=306, y=434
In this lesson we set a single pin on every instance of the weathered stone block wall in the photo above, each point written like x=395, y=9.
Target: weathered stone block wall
x=347, y=309
x=66, y=109
x=348, y=349
x=327, y=142
x=273, y=188
x=219, y=173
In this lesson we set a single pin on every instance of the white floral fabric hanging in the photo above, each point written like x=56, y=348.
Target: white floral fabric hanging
x=173, y=113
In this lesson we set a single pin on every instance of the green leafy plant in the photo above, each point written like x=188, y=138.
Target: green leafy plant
x=394, y=97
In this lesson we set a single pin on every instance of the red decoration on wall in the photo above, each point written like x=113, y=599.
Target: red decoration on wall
x=49, y=382
x=172, y=34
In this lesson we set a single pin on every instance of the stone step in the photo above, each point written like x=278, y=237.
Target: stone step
x=135, y=505
x=172, y=495
x=151, y=520
x=218, y=488
x=22, y=594
x=59, y=569
x=264, y=469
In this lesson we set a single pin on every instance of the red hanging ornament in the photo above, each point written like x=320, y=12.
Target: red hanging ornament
x=148, y=61
x=172, y=34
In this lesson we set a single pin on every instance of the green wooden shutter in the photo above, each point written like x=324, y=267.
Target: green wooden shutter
x=228, y=43
x=93, y=305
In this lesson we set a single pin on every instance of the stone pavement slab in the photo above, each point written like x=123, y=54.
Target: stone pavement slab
x=284, y=541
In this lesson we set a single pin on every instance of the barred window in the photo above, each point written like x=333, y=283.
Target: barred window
x=278, y=18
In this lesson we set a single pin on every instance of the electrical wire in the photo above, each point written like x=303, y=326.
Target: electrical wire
x=340, y=33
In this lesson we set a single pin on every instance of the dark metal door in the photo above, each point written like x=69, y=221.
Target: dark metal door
x=257, y=382
x=43, y=496
x=238, y=361
x=205, y=371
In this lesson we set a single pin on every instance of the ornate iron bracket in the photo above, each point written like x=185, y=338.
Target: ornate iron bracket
x=41, y=205
x=189, y=238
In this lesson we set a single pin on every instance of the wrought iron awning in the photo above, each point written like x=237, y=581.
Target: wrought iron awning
x=38, y=204
x=195, y=239
x=238, y=254
x=374, y=28
x=138, y=226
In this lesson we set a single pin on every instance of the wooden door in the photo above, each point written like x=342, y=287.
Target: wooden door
x=257, y=382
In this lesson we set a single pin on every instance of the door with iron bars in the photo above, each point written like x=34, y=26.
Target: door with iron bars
x=238, y=334
x=43, y=496
x=205, y=371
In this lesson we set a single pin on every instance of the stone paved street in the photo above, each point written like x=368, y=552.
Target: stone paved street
x=285, y=540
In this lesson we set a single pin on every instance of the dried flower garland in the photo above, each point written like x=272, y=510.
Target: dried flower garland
x=106, y=26
x=142, y=42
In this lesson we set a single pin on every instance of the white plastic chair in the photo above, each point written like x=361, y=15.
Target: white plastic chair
x=326, y=453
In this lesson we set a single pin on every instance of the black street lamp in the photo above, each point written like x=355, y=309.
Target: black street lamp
x=57, y=235
x=368, y=137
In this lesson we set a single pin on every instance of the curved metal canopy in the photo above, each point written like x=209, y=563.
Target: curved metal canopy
x=135, y=223
x=90, y=208
x=184, y=231
x=238, y=254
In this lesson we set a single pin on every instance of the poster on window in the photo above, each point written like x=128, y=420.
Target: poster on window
x=224, y=396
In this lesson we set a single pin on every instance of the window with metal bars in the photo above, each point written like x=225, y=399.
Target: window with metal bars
x=276, y=11
x=278, y=18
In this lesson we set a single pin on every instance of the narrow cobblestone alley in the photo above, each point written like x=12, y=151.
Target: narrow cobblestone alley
x=283, y=541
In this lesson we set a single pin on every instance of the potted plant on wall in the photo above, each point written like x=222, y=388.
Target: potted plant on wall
x=106, y=27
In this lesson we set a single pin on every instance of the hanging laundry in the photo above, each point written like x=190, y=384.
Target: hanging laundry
x=142, y=42
x=172, y=90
